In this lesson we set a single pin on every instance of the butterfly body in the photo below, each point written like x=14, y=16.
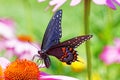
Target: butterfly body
x=51, y=45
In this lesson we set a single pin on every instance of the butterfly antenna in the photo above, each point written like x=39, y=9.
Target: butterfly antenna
x=33, y=45
x=47, y=7
x=80, y=61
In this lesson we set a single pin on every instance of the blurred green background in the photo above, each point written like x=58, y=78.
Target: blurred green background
x=32, y=19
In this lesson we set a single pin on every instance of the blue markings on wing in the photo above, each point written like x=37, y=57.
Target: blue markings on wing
x=53, y=32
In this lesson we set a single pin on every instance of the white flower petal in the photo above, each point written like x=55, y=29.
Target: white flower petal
x=57, y=4
x=31, y=51
x=117, y=2
x=100, y=2
x=2, y=46
x=6, y=31
x=74, y=2
x=22, y=49
x=4, y=62
x=60, y=77
x=41, y=0
x=9, y=44
x=53, y=2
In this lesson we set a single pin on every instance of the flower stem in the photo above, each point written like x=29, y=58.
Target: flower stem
x=86, y=26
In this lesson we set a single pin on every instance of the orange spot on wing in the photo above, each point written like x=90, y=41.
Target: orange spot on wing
x=64, y=49
x=70, y=49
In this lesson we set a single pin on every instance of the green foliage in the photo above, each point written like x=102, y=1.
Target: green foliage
x=32, y=19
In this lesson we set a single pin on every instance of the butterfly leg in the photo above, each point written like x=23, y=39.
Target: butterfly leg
x=36, y=56
x=41, y=65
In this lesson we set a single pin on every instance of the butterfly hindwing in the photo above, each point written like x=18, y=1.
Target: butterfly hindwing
x=53, y=32
x=74, y=42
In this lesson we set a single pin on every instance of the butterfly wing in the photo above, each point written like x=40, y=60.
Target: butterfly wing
x=65, y=51
x=53, y=32
x=74, y=42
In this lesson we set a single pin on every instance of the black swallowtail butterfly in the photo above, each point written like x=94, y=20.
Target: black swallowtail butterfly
x=51, y=45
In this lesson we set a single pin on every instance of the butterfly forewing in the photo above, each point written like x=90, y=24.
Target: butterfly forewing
x=53, y=32
x=74, y=42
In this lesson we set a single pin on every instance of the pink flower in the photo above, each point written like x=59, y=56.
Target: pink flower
x=22, y=49
x=109, y=3
x=58, y=3
x=45, y=76
x=14, y=46
x=111, y=54
x=19, y=69
x=2, y=46
x=6, y=31
x=7, y=28
x=117, y=45
x=57, y=77
x=117, y=42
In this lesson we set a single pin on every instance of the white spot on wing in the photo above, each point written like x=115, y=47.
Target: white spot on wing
x=60, y=18
x=59, y=29
x=60, y=34
x=60, y=14
x=68, y=41
x=76, y=38
x=60, y=11
x=82, y=37
x=57, y=16
x=59, y=21
x=53, y=17
x=78, y=44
